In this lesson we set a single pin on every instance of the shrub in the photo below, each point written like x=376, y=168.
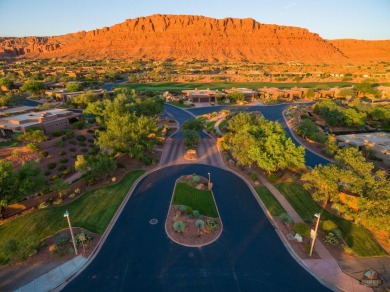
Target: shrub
x=62, y=153
x=90, y=140
x=56, y=133
x=63, y=160
x=61, y=167
x=95, y=151
x=182, y=208
x=51, y=165
x=78, y=125
x=179, y=226
x=273, y=177
x=84, y=150
x=195, y=213
x=81, y=138
x=83, y=144
x=57, y=201
x=33, y=146
x=195, y=178
x=61, y=240
x=43, y=154
x=302, y=229
x=147, y=159
x=69, y=133
x=73, y=142
x=59, y=143
x=43, y=205
x=285, y=218
x=212, y=224
x=199, y=224
x=331, y=239
x=188, y=210
x=82, y=237
x=328, y=225
x=253, y=176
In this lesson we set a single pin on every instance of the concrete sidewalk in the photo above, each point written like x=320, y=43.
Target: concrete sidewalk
x=55, y=277
x=325, y=269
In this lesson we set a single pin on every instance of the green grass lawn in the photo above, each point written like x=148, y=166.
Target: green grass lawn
x=179, y=86
x=269, y=201
x=197, y=199
x=357, y=237
x=93, y=211
x=9, y=143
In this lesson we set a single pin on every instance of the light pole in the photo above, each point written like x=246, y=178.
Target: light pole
x=314, y=234
x=209, y=186
x=66, y=214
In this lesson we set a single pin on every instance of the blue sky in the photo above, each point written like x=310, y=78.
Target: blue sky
x=331, y=19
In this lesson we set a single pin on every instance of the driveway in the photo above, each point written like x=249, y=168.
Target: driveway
x=248, y=256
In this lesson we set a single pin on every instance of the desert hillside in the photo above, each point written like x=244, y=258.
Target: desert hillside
x=181, y=37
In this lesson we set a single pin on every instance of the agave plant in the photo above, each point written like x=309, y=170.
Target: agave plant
x=179, y=226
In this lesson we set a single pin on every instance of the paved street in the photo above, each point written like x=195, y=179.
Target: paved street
x=138, y=256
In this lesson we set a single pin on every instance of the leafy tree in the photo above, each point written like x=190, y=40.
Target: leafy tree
x=33, y=86
x=5, y=99
x=8, y=180
x=191, y=138
x=310, y=93
x=193, y=124
x=347, y=93
x=30, y=178
x=354, y=118
x=81, y=164
x=7, y=83
x=73, y=87
x=380, y=113
x=59, y=186
x=83, y=100
x=323, y=181
x=129, y=134
x=102, y=166
x=331, y=146
x=33, y=135
x=236, y=96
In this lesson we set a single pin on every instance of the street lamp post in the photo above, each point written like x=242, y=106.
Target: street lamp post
x=209, y=186
x=66, y=214
x=314, y=235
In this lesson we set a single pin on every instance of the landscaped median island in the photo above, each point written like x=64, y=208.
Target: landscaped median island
x=193, y=218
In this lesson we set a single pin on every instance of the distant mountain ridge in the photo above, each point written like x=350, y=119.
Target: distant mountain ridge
x=184, y=37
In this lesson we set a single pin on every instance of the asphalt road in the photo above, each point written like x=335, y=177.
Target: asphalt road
x=138, y=256
x=273, y=113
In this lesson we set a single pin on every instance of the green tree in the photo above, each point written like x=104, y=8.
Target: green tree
x=354, y=118
x=236, y=96
x=7, y=83
x=30, y=178
x=33, y=135
x=33, y=86
x=73, y=87
x=81, y=164
x=331, y=145
x=102, y=166
x=191, y=138
x=193, y=124
x=8, y=179
x=323, y=182
x=83, y=100
x=310, y=93
x=347, y=93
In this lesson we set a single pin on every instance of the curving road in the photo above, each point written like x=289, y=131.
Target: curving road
x=138, y=256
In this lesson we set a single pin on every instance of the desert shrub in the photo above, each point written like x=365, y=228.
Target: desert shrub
x=56, y=133
x=59, y=143
x=64, y=160
x=81, y=138
x=43, y=205
x=147, y=159
x=331, y=239
x=82, y=144
x=84, y=150
x=73, y=142
x=212, y=224
x=195, y=178
x=82, y=237
x=61, y=240
x=78, y=125
x=62, y=153
x=227, y=157
x=182, y=208
x=302, y=229
x=61, y=167
x=69, y=133
x=199, y=224
x=95, y=151
x=285, y=218
x=328, y=225
x=43, y=154
x=195, y=213
x=33, y=146
x=51, y=165
x=188, y=210
x=72, y=196
x=273, y=177
x=253, y=176
x=90, y=140
x=57, y=201
x=179, y=226
x=54, y=176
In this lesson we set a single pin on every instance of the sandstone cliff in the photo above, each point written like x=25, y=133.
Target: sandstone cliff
x=195, y=37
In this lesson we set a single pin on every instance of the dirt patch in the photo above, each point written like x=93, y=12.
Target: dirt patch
x=191, y=155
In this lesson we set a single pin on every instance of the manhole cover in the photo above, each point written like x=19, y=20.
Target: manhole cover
x=153, y=221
